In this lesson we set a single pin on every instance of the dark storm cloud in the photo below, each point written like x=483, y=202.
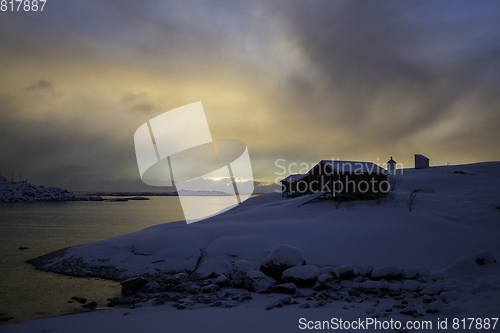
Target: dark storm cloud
x=426, y=56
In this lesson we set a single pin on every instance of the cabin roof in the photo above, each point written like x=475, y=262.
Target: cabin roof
x=294, y=177
x=391, y=161
x=421, y=156
x=353, y=166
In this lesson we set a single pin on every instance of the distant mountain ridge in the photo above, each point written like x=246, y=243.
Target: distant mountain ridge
x=160, y=194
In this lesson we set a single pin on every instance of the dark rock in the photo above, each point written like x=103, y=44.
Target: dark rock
x=483, y=258
x=204, y=276
x=180, y=278
x=111, y=304
x=325, y=282
x=302, y=276
x=281, y=259
x=80, y=299
x=329, y=270
x=23, y=247
x=90, y=305
x=347, y=272
x=239, y=271
x=387, y=272
x=167, y=287
x=317, y=304
x=305, y=306
x=133, y=285
x=181, y=288
x=411, y=310
x=367, y=271
x=427, y=299
x=123, y=300
x=151, y=288
x=211, y=288
x=322, y=296
x=258, y=282
x=222, y=281
x=411, y=273
x=287, y=288
x=244, y=297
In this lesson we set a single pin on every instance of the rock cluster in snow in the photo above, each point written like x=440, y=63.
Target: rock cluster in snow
x=26, y=192
x=74, y=266
x=382, y=290
x=281, y=259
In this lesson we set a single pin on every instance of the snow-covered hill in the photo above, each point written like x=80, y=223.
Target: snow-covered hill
x=26, y=192
x=365, y=260
x=3, y=180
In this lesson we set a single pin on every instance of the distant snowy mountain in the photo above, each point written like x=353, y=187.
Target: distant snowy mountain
x=201, y=193
x=26, y=192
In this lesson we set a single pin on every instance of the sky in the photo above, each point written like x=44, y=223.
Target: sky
x=297, y=81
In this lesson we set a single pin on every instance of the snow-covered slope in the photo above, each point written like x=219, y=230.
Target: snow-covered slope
x=438, y=258
x=457, y=215
x=26, y=192
x=3, y=180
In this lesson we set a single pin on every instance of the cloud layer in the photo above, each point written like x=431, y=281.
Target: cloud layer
x=295, y=80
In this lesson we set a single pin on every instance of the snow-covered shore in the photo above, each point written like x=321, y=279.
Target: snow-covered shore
x=26, y=192
x=363, y=260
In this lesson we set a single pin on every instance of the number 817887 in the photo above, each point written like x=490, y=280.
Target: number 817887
x=22, y=5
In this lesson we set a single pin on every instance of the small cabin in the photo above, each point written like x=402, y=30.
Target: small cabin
x=339, y=178
x=421, y=162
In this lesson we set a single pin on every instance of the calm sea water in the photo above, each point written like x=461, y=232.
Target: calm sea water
x=26, y=293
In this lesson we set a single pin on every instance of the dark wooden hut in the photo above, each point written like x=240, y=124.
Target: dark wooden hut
x=339, y=178
x=295, y=185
